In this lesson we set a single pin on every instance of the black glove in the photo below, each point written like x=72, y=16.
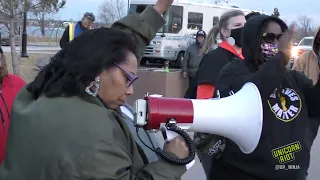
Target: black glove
x=209, y=144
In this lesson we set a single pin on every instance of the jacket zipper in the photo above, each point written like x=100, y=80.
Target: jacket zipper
x=1, y=113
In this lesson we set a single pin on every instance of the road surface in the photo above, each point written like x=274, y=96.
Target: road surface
x=314, y=170
x=35, y=49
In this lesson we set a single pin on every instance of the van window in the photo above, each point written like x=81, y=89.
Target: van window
x=195, y=20
x=173, y=17
x=215, y=20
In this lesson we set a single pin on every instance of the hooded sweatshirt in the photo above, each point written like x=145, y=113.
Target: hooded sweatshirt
x=308, y=62
x=289, y=102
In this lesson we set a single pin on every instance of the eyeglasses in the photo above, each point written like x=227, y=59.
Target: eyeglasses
x=130, y=76
x=270, y=37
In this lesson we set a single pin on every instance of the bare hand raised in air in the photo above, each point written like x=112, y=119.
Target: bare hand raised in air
x=162, y=5
x=286, y=40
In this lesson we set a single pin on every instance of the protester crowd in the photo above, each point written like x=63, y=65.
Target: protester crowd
x=257, y=50
x=67, y=123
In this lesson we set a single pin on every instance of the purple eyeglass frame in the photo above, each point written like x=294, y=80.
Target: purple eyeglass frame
x=131, y=77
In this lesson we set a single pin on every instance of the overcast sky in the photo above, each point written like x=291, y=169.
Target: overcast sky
x=288, y=9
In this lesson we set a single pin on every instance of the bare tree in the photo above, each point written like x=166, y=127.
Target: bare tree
x=296, y=37
x=305, y=25
x=55, y=25
x=13, y=9
x=111, y=10
x=44, y=11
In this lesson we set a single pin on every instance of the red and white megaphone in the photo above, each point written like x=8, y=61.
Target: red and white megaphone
x=238, y=117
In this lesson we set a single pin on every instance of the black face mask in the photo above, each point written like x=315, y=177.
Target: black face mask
x=236, y=34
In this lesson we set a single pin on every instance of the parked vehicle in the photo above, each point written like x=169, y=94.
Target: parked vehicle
x=184, y=18
x=304, y=45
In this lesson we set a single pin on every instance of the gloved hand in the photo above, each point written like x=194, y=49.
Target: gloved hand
x=209, y=144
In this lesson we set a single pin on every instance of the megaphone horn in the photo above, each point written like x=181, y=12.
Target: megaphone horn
x=238, y=117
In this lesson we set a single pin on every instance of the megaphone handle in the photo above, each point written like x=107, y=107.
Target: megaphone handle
x=167, y=134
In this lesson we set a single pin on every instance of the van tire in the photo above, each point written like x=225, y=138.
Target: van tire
x=143, y=61
x=178, y=62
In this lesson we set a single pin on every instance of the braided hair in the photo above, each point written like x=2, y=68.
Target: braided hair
x=72, y=69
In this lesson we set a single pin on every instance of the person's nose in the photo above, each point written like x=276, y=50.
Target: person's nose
x=129, y=90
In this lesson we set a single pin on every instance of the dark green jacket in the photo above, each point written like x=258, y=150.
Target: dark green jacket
x=73, y=138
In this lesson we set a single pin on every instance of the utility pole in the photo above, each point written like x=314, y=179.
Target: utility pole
x=128, y=6
x=24, y=32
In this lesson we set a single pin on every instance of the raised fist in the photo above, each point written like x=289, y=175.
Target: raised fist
x=162, y=5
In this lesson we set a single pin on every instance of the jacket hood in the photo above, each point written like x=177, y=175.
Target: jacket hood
x=250, y=31
x=315, y=46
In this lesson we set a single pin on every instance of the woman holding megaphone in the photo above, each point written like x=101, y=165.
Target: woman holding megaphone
x=290, y=101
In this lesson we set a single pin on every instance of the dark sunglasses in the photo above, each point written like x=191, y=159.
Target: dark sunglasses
x=130, y=76
x=270, y=37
